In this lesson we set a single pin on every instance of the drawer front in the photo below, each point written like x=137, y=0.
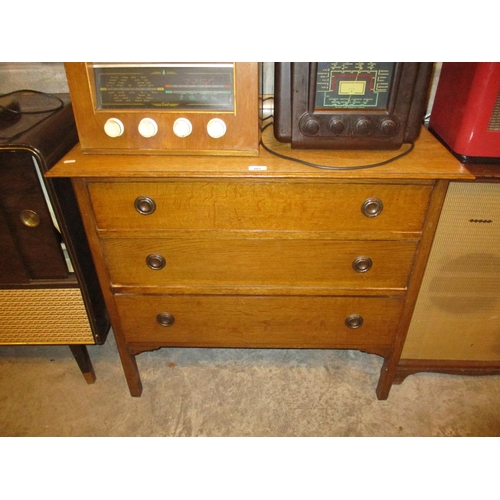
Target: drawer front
x=259, y=262
x=282, y=322
x=258, y=206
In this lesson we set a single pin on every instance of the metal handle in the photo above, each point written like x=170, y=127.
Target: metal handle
x=362, y=264
x=354, y=321
x=155, y=261
x=145, y=205
x=165, y=319
x=372, y=207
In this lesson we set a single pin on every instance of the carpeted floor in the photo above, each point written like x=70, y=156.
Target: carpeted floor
x=225, y=392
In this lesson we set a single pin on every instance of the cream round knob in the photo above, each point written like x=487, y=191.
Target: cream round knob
x=148, y=127
x=182, y=127
x=216, y=128
x=114, y=127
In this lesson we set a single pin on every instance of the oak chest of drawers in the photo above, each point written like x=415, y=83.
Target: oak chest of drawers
x=261, y=252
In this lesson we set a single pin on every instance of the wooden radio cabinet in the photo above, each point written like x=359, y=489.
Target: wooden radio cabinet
x=261, y=252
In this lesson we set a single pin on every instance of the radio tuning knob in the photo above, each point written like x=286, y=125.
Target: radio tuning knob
x=114, y=127
x=147, y=127
x=388, y=127
x=363, y=126
x=310, y=127
x=336, y=126
x=216, y=128
x=182, y=127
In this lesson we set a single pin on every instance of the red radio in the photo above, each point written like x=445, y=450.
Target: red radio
x=466, y=111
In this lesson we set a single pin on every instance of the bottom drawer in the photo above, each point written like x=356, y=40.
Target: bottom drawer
x=253, y=321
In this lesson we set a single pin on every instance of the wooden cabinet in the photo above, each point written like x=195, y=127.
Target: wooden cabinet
x=454, y=328
x=49, y=292
x=261, y=252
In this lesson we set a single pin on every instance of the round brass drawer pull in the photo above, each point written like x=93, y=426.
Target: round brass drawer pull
x=372, y=207
x=145, y=205
x=30, y=218
x=362, y=264
x=165, y=319
x=354, y=321
x=155, y=261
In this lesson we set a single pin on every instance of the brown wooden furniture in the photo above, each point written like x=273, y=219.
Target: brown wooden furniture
x=49, y=292
x=261, y=252
x=454, y=328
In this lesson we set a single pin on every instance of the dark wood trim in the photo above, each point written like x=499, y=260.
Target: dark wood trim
x=408, y=367
x=82, y=357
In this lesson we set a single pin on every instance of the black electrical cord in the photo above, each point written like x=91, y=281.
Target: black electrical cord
x=328, y=167
x=59, y=106
x=15, y=111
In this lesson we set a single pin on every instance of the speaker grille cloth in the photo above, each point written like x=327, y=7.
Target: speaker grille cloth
x=495, y=115
x=457, y=313
x=44, y=316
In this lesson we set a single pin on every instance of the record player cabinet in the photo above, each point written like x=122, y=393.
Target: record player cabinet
x=49, y=293
x=208, y=251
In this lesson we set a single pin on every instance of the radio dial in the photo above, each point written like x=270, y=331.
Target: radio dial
x=114, y=127
x=182, y=127
x=148, y=127
x=216, y=128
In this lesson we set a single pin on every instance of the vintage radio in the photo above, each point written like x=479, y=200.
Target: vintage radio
x=466, y=111
x=350, y=105
x=166, y=108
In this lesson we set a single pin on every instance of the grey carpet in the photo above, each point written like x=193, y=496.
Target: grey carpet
x=226, y=392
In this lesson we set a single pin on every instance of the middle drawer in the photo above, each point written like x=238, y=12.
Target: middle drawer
x=162, y=262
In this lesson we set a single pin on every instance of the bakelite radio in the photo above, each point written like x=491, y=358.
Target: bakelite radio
x=350, y=105
x=166, y=108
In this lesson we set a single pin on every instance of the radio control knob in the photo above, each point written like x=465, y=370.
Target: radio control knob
x=148, y=127
x=336, y=126
x=388, y=127
x=216, y=128
x=310, y=127
x=182, y=127
x=114, y=127
x=363, y=126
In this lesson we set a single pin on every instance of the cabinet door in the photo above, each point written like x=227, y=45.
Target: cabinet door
x=27, y=223
x=12, y=269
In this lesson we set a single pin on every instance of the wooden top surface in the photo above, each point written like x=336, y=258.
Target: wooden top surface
x=429, y=160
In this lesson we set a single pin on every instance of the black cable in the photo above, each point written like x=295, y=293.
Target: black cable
x=16, y=110
x=28, y=91
x=328, y=167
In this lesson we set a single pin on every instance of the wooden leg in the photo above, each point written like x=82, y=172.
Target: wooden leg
x=133, y=378
x=386, y=379
x=130, y=369
x=82, y=357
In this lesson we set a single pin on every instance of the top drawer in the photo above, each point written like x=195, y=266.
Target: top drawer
x=259, y=206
